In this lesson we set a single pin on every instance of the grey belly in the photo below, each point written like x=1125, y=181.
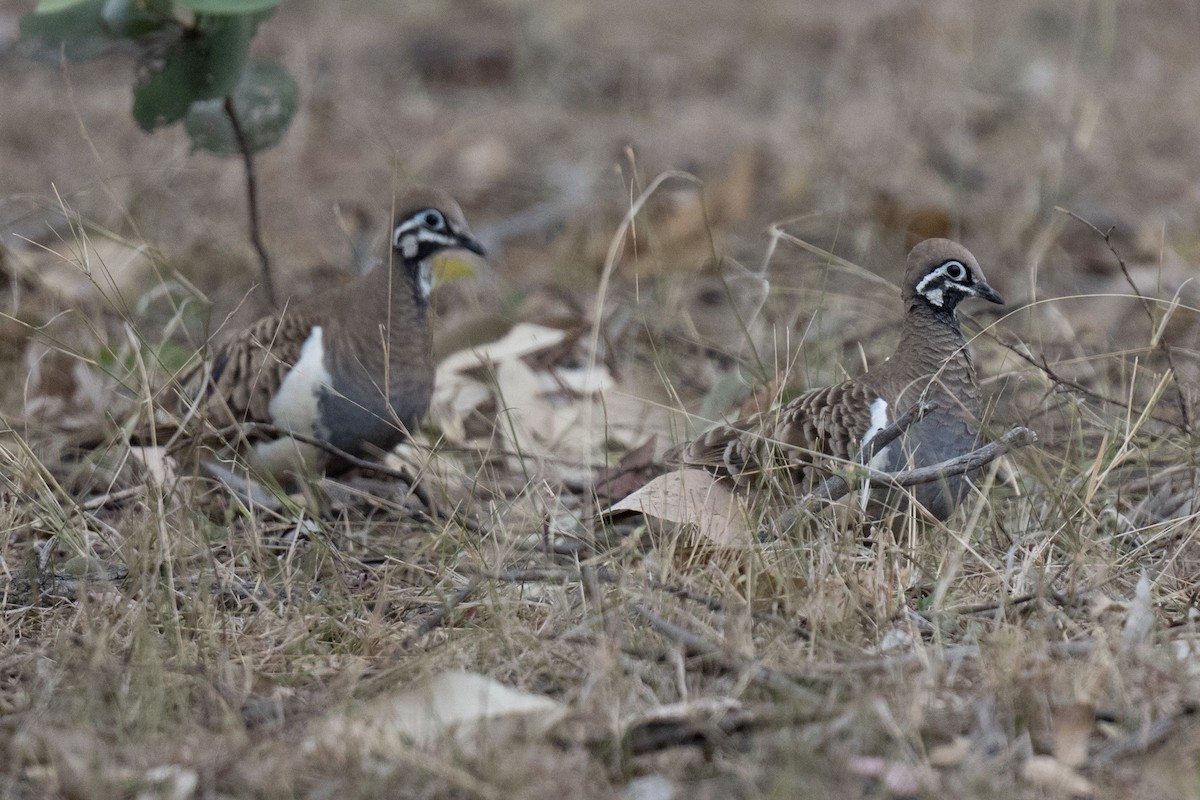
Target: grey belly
x=930, y=441
x=362, y=426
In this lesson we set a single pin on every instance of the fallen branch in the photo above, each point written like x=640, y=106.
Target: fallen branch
x=355, y=461
x=892, y=432
x=1146, y=306
x=837, y=486
x=440, y=615
x=696, y=646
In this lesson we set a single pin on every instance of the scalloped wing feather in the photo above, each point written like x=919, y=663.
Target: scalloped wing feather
x=828, y=421
x=238, y=380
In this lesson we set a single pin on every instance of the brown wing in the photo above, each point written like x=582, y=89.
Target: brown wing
x=239, y=378
x=827, y=421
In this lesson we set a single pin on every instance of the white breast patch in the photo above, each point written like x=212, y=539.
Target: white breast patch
x=294, y=406
x=879, y=421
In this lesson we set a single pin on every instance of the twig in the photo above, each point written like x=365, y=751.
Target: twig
x=243, y=143
x=655, y=735
x=893, y=432
x=836, y=487
x=439, y=617
x=696, y=646
x=1140, y=741
x=104, y=500
x=1079, y=387
x=335, y=451
x=1162, y=343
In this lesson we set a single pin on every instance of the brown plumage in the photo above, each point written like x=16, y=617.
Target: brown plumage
x=351, y=367
x=931, y=362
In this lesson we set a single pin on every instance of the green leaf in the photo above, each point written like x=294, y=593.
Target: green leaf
x=228, y=6
x=166, y=90
x=76, y=29
x=54, y=6
x=265, y=102
x=228, y=40
x=133, y=19
x=204, y=64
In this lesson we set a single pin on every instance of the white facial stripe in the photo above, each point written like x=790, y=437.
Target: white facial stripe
x=408, y=245
x=409, y=236
x=936, y=296
x=426, y=235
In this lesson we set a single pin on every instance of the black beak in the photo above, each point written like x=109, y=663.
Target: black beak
x=468, y=242
x=986, y=292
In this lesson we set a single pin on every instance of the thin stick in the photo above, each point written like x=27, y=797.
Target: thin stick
x=439, y=617
x=1058, y=379
x=836, y=486
x=1162, y=343
x=243, y=143
x=696, y=646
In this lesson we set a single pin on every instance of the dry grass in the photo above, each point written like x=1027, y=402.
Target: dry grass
x=176, y=638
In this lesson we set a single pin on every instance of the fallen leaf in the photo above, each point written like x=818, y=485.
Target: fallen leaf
x=1051, y=774
x=474, y=708
x=1072, y=726
x=905, y=780
x=650, y=787
x=1140, y=621
x=159, y=465
x=694, y=497
x=950, y=754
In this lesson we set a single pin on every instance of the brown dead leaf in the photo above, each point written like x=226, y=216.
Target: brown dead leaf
x=1072, y=726
x=1050, y=774
x=693, y=497
x=62, y=389
x=633, y=471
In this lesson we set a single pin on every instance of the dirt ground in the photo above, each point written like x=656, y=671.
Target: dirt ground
x=779, y=158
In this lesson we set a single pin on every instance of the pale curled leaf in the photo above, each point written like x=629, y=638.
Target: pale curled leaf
x=905, y=780
x=695, y=497
x=1052, y=775
x=474, y=708
x=1140, y=621
x=159, y=465
x=1072, y=726
x=524, y=338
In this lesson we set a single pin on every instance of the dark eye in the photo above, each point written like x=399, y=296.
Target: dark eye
x=955, y=271
x=433, y=219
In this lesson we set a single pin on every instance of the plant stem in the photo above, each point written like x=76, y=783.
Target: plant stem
x=252, y=200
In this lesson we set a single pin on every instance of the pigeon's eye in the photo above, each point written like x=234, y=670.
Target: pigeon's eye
x=955, y=271
x=433, y=219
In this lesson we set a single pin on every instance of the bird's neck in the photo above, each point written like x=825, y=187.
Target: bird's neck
x=391, y=295
x=932, y=344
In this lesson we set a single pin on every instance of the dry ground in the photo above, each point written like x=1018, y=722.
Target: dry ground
x=165, y=636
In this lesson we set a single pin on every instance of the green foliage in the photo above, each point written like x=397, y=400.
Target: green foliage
x=72, y=26
x=195, y=53
x=265, y=101
x=133, y=19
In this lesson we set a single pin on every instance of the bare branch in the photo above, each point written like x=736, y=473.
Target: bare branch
x=1148, y=308
x=243, y=143
x=697, y=646
x=837, y=486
